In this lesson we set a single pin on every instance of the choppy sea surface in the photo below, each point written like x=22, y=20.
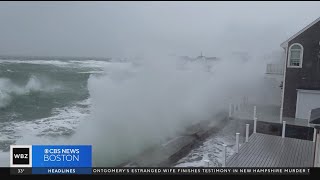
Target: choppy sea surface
x=43, y=98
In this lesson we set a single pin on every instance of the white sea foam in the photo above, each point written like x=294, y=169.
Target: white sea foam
x=51, y=130
x=91, y=72
x=66, y=63
x=52, y=62
x=90, y=63
x=8, y=88
x=212, y=148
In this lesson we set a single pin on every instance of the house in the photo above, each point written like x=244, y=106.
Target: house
x=301, y=74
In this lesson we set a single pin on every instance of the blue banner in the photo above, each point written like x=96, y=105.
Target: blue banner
x=61, y=156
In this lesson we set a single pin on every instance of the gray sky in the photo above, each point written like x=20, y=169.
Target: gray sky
x=130, y=28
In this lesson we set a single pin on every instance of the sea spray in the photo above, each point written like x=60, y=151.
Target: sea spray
x=140, y=104
x=34, y=84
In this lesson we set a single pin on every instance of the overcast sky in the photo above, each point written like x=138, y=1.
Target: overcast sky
x=117, y=29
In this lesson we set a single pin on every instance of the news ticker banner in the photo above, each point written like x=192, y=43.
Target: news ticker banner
x=163, y=171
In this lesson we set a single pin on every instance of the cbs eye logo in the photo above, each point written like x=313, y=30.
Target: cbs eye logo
x=20, y=156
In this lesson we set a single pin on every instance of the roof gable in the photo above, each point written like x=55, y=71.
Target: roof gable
x=285, y=43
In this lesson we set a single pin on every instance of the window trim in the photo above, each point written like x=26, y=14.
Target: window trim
x=301, y=56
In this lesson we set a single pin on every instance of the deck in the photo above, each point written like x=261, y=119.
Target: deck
x=264, y=150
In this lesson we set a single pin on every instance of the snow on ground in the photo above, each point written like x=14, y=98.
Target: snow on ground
x=212, y=149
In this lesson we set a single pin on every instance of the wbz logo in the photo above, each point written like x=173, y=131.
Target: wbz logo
x=21, y=156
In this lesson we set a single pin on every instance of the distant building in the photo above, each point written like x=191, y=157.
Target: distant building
x=200, y=58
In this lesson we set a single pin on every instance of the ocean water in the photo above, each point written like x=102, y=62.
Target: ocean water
x=43, y=99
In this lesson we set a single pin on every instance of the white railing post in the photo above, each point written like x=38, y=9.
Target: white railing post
x=314, y=134
x=237, y=142
x=309, y=119
x=255, y=119
x=247, y=132
x=281, y=109
x=283, y=129
x=316, y=154
x=224, y=158
x=255, y=125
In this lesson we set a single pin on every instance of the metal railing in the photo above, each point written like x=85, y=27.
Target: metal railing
x=314, y=114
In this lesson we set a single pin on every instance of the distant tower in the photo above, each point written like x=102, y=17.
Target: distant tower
x=201, y=57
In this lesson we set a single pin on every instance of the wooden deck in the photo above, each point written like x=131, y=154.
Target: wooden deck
x=264, y=150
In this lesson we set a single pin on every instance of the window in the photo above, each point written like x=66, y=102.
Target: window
x=295, y=55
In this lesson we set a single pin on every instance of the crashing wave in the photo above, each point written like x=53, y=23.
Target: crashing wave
x=34, y=84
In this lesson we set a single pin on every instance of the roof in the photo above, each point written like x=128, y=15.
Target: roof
x=285, y=43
